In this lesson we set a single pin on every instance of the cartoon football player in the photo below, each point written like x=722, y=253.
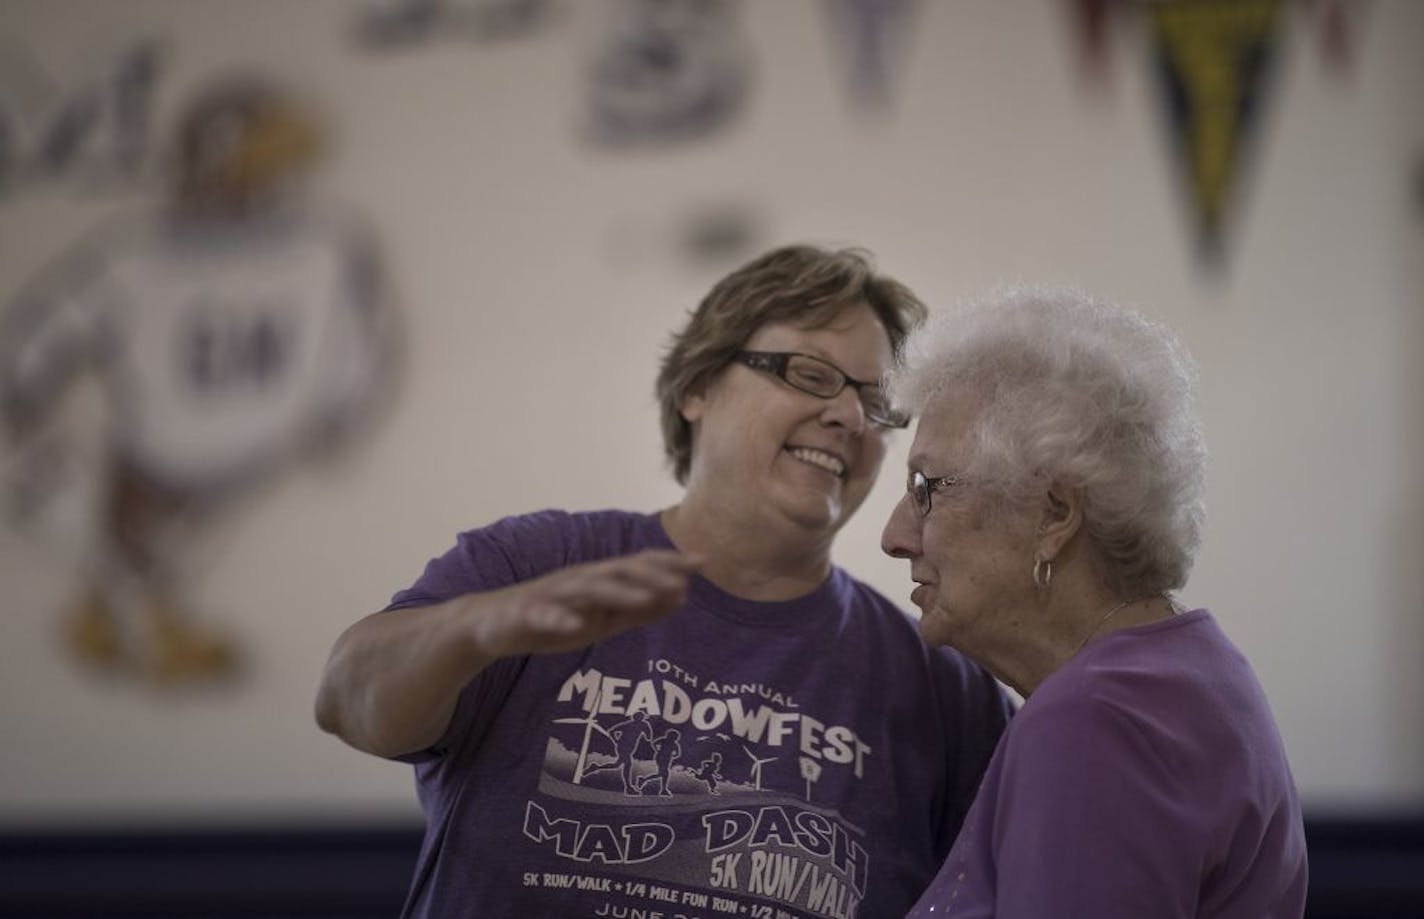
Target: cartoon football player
x=233, y=329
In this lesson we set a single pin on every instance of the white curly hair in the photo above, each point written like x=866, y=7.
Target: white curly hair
x=1082, y=392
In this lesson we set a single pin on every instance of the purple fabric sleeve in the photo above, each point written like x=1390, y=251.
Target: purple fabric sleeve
x=1085, y=795
x=1144, y=778
x=510, y=551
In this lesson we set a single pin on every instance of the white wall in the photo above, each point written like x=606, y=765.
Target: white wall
x=538, y=283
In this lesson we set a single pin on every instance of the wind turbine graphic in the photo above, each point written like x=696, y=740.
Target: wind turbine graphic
x=756, y=765
x=590, y=724
x=811, y=772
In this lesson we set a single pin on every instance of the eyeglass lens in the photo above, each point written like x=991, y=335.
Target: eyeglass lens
x=825, y=380
x=920, y=492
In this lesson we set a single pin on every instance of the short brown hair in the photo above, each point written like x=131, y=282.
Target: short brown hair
x=794, y=283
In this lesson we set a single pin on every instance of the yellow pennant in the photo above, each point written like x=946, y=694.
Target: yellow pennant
x=1215, y=57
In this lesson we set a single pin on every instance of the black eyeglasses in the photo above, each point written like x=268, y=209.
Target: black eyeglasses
x=922, y=489
x=825, y=380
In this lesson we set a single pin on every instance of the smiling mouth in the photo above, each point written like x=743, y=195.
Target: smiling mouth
x=820, y=459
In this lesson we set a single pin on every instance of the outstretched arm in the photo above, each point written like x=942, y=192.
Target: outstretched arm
x=393, y=678
x=51, y=331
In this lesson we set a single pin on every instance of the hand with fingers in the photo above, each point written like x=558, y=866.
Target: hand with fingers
x=582, y=604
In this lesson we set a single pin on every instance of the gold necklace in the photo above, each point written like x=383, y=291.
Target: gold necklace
x=1103, y=621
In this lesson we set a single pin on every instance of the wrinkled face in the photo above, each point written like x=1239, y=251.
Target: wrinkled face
x=776, y=454
x=972, y=561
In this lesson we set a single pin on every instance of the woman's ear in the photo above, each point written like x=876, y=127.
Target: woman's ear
x=1060, y=518
x=692, y=406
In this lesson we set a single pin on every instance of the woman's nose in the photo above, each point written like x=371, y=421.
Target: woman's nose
x=901, y=536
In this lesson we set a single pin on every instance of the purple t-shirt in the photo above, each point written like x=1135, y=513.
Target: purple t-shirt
x=804, y=758
x=1146, y=777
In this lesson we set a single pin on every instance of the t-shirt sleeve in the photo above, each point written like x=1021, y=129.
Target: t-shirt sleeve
x=1087, y=821
x=510, y=551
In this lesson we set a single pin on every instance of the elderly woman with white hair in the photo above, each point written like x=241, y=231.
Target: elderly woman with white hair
x=1054, y=504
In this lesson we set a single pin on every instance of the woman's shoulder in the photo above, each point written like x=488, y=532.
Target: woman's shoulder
x=569, y=537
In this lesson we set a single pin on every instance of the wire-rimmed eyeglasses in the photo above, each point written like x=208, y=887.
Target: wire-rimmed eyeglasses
x=825, y=380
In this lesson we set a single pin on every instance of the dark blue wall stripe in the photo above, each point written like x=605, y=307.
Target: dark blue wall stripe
x=1361, y=868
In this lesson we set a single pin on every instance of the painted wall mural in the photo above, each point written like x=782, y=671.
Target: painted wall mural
x=91, y=127
x=391, y=24
x=234, y=328
x=870, y=40
x=665, y=70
